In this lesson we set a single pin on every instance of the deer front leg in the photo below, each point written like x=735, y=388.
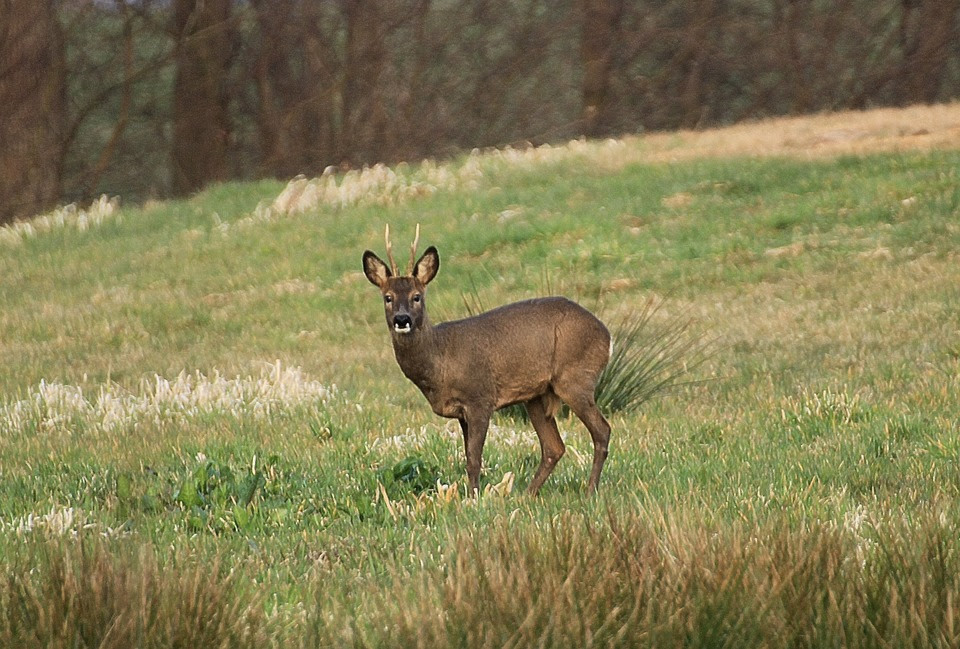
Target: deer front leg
x=474, y=435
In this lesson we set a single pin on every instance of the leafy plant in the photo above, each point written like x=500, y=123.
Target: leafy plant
x=412, y=473
x=214, y=492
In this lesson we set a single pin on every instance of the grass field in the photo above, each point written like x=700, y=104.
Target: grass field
x=205, y=439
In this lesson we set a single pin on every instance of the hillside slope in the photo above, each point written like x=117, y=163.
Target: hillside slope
x=204, y=392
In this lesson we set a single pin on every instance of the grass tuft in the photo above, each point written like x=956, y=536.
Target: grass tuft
x=650, y=356
x=84, y=595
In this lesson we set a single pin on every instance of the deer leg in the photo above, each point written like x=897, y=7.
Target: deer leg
x=477, y=426
x=551, y=445
x=599, y=429
x=464, y=429
x=585, y=408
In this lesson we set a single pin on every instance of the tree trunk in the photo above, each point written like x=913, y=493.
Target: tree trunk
x=364, y=115
x=929, y=29
x=601, y=24
x=32, y=107
x=295, y=88
x=276, y=82
x=793, y=21
x=698, y=52
x=201, y=126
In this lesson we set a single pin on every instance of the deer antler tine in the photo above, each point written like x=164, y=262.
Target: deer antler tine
x=386, y=239
x=413, y=249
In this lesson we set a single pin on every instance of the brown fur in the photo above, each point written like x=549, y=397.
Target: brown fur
x=536, y=352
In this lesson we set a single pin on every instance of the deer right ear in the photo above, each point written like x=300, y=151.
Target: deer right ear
x=375, y=270
x=426, y=269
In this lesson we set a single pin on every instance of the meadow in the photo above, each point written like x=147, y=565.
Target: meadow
x=205, y=439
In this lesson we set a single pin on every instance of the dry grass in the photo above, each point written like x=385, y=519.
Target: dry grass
x=56, y=406
x=382, y=185
x=83, y=596
x=69, y=216
x=653, y=580
x=880, y=130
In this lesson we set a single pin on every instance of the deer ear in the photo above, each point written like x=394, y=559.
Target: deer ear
x=375, y=270
x=426, y=269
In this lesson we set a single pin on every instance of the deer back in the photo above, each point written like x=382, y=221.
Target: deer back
x=507, y=355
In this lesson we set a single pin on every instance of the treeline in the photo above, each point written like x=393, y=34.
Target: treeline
x=159, y=97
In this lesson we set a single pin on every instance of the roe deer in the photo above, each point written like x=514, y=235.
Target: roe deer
x=537, y=352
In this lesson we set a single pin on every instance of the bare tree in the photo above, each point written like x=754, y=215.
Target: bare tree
x=364, y=113
x=599, y=42
x=32, y=97
x=928, y=29
x=295, y=71
x=201, y=125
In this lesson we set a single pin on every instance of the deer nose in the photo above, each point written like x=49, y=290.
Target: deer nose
x=402, y=321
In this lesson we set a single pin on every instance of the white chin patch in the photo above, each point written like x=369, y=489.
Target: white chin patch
x=402, y=330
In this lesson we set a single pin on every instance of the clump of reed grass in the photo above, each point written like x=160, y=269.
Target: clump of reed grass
x=67, y=217
x=383, y=185
x=650, y=356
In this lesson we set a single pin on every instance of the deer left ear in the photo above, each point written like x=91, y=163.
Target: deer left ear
x=426, y=269
x=375, y=270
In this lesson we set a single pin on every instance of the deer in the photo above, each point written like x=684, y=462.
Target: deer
x=540, y=352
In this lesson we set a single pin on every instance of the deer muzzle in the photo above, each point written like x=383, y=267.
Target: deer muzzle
x=402, y=323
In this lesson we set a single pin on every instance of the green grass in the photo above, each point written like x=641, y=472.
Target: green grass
x=805, y=492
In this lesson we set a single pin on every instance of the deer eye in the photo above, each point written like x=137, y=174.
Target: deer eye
x=416, y=297
x=388, y=299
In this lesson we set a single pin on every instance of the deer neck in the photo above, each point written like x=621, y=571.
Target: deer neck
x=417, y=354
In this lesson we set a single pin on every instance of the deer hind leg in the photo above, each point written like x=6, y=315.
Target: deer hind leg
x=542, y=411
x=579, y=397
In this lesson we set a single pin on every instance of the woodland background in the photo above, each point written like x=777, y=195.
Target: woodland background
x=157, y=98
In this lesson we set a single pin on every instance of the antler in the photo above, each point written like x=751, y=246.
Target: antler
x=413, y=249
x=386, y=238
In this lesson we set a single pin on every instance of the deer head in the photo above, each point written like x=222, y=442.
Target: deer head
x=404, y=301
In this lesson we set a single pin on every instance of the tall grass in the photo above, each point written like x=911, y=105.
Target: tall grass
x=647, y=578
x=84, y=595
x=629, y=582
